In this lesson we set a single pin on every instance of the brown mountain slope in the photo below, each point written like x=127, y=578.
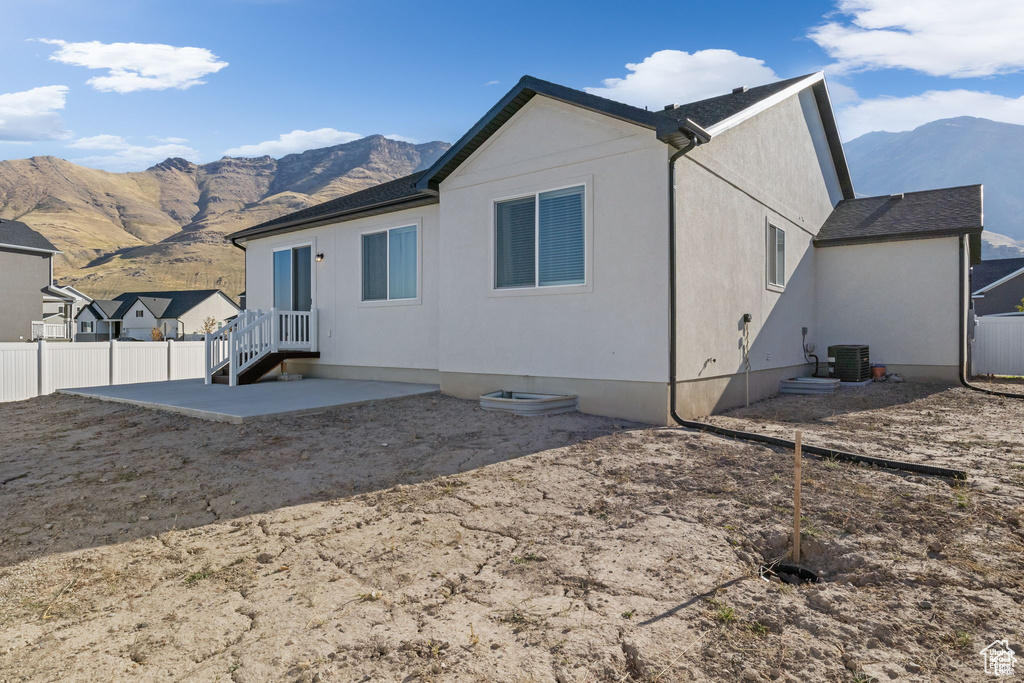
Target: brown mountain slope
x=163, y=228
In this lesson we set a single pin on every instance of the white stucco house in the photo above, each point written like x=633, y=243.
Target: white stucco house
x=654, y=263
x=134, y=315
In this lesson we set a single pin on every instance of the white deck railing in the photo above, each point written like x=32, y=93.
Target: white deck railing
x=255, y=334
x=45, y=330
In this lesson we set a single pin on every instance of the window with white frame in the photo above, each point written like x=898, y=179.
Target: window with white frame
x=390, y=264
x=87, y=326
x=539, y=240
x=776, y=256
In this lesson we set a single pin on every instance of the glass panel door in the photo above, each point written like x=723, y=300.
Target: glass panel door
x=293, y=279
x=302, y=283
x=283, y=280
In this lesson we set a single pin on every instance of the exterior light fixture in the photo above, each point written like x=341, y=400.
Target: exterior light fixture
x=320, y=257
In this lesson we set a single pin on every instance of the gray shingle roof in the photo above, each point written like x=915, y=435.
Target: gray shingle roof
x=18, y=234
x=398, y=190
x=107, y=307
x=420, y=188
x=913, y=215
x=161, y=304
x=985, y=273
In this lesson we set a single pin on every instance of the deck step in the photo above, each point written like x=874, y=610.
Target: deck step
x=257, y=370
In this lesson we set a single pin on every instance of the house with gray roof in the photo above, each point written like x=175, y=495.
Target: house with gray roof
x=26, y=279
x=143, y=316
x=997, y=287
x=657, y=264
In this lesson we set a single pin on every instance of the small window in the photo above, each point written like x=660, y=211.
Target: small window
x=86, y=326
x=776, y=256
x=539, y=240
x=138, y=313
x=390, y=264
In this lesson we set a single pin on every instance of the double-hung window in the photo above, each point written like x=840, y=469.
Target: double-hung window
x=776, y=256
x=539, y=240
x=390, y=264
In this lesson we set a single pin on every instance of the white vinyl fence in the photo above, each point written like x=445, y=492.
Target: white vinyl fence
x=998, y=345
x=28, y=370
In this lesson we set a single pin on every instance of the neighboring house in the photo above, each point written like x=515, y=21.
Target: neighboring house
x=569, y=244
x=134, y=315
x=61, y=305
x=997, y=287
x=26, y=281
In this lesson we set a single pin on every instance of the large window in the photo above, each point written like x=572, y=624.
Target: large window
x=776, y=256
x=539, y=240
x=390, y=264
x=293, y=282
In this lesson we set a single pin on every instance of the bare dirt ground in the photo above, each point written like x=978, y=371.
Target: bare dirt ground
x=425, y=539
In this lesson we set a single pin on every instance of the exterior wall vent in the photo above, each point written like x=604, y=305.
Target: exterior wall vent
x=896, y=197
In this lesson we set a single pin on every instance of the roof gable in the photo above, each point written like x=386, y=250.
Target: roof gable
x=167, y=304
x=673, y=125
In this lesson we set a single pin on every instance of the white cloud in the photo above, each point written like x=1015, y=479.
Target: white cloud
x=125, y=156
x=491, y=83
x=936, y=37
x=296, y=141
x=907, y=113
x=176, y=141
x=139, y=66
x=32, y=114
x=674, y=76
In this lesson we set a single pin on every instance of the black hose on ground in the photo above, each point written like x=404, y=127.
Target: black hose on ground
x=826, y=453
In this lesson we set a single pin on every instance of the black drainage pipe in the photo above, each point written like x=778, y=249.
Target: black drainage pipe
x=751, y=436
x=826, y=453
x=964, y=360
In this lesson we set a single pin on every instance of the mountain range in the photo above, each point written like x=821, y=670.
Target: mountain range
x=945, y=153
x=163, y=228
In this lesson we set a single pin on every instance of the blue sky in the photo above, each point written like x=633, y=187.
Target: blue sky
x=122, y=84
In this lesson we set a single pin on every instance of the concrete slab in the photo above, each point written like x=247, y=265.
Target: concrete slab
x=254, y=401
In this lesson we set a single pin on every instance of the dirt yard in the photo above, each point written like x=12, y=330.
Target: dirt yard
x=426, y=540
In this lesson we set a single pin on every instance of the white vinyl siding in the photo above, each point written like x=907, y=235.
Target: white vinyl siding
x=540, y=240
x=776, y=256
x=390, y=264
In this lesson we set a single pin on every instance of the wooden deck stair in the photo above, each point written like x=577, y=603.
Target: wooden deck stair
x=257, y=342
x=260, y=368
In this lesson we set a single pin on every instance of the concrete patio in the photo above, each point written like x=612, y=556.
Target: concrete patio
x=254, y=401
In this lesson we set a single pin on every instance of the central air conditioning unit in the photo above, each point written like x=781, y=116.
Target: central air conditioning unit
x=849, y=362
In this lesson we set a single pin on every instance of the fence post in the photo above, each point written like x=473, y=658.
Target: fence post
x=115, y=376
x=43, y=376
x=170, y=359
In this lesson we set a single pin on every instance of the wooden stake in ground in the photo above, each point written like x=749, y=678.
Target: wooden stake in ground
x=796, y=498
